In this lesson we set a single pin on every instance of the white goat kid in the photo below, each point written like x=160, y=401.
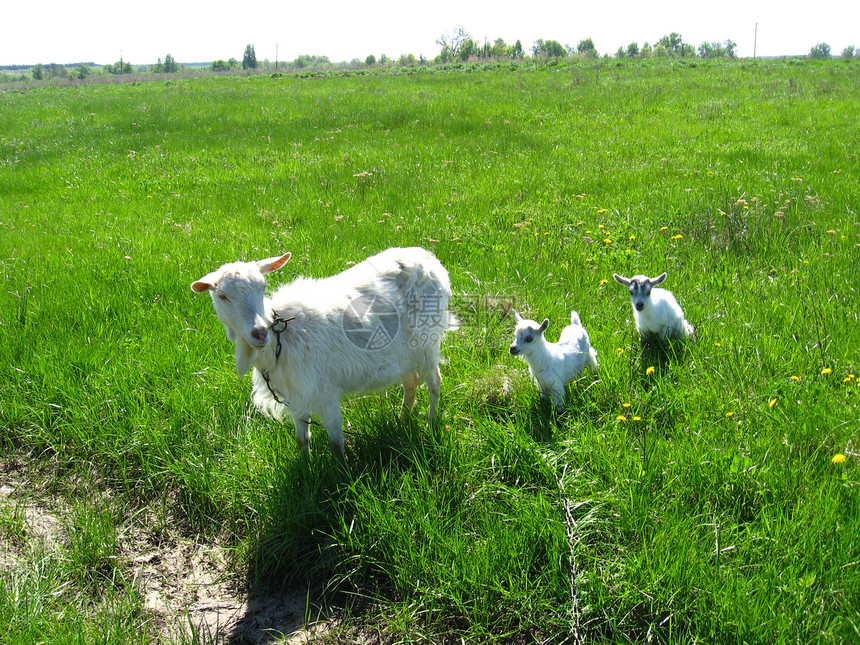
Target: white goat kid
x=376, y=324
x=656, y=311
x=553, y=365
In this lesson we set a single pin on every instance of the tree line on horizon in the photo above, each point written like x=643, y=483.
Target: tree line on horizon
x=456, y=46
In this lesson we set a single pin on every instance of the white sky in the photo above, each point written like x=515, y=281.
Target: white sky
x=142, y=32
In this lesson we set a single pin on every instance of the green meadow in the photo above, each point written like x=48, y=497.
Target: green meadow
x=708, y=493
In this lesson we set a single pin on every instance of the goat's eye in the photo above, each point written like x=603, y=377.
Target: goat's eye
x=222, y=296
x=529, y=339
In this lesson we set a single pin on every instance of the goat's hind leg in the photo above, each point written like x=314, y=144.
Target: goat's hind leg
x=410, y=389
x=434, y=387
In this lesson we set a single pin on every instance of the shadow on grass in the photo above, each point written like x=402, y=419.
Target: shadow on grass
x=296, y=561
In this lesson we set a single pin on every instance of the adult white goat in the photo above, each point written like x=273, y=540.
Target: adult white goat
x=379, y=323
x=656, y=311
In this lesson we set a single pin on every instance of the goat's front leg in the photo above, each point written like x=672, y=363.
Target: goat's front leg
x=332, y=419
x=303, y=434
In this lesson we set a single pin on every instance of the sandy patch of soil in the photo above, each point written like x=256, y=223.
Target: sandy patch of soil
x=186, y=585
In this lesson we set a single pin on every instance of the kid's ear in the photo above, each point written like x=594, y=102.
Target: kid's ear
x=273, y=264
x=517, y=317
x=544, y=325
x=620, y=279
x=658, y=279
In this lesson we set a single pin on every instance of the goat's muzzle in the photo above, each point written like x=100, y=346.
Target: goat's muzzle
x=514, y=350
x=259, y=336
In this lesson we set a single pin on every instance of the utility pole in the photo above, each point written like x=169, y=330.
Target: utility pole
x=755, y=40
x=276, y=57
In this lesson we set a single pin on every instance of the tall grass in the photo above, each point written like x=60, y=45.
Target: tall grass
x=697, y=501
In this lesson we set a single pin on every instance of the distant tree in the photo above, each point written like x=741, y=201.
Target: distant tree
x=500, y=49
x=468, y=48
x=451, y=43
x=848, y=52
x=233, y=63
x=38, y=72
x=249, y=60
x=821, y=50
x=731, y=48
x=82, y=71
x=620, y=53
x=548, y=49
x=585, y=46
x=672, y=43
x=383, y=59
x=370, y=61
x=219, y=66
x=660, y=51
x=717, y=50
x=632, y=50
x=687, y=51
x=170, y=65
x=646, y=51
x=407, y=60
x=517, y=50
x=119, y=67
x=306, y=60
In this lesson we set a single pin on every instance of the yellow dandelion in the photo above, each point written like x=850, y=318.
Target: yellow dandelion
x=826, y=371
x=637, y=418
x=628, y=251
x=664, y=228
x=771, y=403
x=847, y=379
x=729, y=415
x=718, y=345
x=619, y=350
x=651, y=369
x=604, y=281
x=608, y=241
x=678, y=237
x=600, y=225
x=632, y=237
x=602, y=210
x=625, y=406
x=838, y=459
x=621, y=417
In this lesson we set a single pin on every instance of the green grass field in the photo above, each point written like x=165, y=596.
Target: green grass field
x=713, y=499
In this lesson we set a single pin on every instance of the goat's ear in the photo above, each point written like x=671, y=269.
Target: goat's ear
x=620, y=279
x=273, y=264
x=544, y=325
x=205, y=283
x=658, y=279
x=517, y=317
